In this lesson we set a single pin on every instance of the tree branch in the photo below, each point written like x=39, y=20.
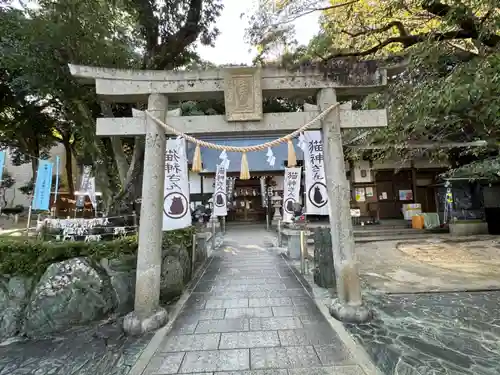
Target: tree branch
x=469, y=29
x=407, y=41
x=175, y=44
x=397, y=24
x=309, y=11
x=468, y=22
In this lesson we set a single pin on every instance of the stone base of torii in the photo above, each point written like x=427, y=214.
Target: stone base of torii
x=157, y=86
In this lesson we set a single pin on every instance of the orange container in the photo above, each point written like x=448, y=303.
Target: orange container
x=417, y=222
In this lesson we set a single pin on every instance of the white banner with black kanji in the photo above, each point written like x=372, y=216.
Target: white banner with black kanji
x=315, y=183
x=176, y=207
x=291, y=192
x=220, y=193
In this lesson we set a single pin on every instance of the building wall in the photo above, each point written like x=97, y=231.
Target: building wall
x=22, y=174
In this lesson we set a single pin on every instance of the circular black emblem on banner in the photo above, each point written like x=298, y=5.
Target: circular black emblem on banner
x=175, y=205
x=317, y=194
x=220, y=199
x=288, y=205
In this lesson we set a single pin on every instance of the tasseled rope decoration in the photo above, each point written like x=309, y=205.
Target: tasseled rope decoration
x=244, y=171
x=292, y=157
x=196, y=167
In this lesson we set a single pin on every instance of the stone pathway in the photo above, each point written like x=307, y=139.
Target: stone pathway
x=433, y=334
x=92, y=350
x=249, y=315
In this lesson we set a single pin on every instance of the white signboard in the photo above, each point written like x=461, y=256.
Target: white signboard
x=291, y=192
x=316, y=192
x=263, y=194
x=176, y=213
x=220, y=193
x=84, y=185
x=91, y=192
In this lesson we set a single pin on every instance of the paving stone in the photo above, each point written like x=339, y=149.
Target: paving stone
x=275, y=323
x=289, y=357
x=337, y=370
x=226, y=325
x=249, y=288
x=195, y=302
x=334, y=355
x=167, y=363
x=206, y=314
x=184, y=343
x=204, y=287
x=216, y=360
x=295, y=310
x=289, y=293
x=183, y=327
x=306, y=336
x=257, y=339
x=314, y=320
x=248, y=281
x=226, y=303
x=255, y=372
x=249, y=312
x=277, y=301
x=302, y=301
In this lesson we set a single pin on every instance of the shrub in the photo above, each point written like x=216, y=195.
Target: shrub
x=31, y=257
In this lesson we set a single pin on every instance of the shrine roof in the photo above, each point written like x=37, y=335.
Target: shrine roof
x=349, y=79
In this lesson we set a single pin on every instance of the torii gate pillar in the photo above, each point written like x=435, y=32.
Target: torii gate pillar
x=148, y=315
x=348, y=305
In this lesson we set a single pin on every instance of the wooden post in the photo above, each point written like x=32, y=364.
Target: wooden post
x=134, y=218
x=193, y=256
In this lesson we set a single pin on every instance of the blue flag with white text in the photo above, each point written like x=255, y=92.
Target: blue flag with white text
x=2, y=163
x=41, y=198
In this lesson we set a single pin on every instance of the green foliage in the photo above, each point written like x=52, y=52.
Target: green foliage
x=30, y=257
x=368, y=28
x=443, y=96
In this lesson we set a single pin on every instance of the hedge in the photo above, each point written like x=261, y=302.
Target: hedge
x=31, y=257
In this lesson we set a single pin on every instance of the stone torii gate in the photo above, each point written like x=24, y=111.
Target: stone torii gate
x=243, y=116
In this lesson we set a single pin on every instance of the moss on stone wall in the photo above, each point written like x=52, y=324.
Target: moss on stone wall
x=31, y=257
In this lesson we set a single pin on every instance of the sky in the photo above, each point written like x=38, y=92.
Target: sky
x=230, y=47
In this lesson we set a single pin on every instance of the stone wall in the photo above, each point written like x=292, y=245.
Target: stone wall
x=80, y=290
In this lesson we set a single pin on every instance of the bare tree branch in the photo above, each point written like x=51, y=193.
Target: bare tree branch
x=312, y=10
x=470, y=28
x=468, y=22
x=397, y=24
x=406, y=41
x=186, y=35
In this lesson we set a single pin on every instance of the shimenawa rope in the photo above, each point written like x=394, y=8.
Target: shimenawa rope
x=245, y=174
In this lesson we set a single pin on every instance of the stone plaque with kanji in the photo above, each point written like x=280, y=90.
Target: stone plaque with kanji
x=243, y=94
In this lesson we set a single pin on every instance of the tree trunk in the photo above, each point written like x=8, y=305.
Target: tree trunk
x=122, y=165
x=69, y=167
x=126, y=200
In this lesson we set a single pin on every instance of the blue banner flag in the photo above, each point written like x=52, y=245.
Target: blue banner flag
x=2, y=163
x=41, y=199
x=56, y=188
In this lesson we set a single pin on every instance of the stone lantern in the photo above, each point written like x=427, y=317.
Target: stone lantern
x=276, y=203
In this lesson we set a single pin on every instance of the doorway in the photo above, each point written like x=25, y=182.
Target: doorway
x=248, y=201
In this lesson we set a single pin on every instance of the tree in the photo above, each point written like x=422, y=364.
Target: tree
x=449, y=91
x=41, y=42
x=36, y=46
x=363, y=28
x=168, y=32
x=6, y=183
